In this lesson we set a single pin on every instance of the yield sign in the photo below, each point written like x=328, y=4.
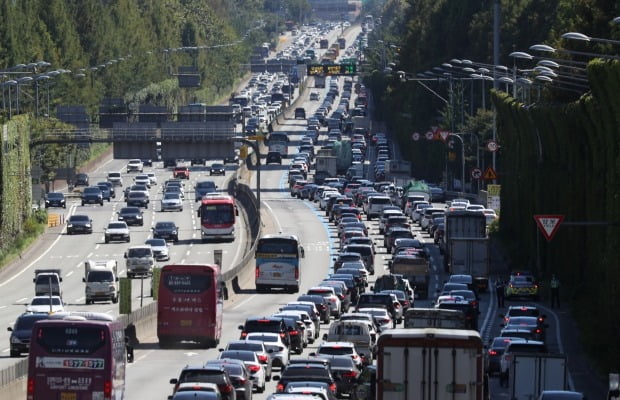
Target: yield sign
x=548, y=224
x=444, y=135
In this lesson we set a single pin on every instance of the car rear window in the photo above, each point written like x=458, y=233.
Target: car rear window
x=305, y=370
x=335, y=350
x=202, y=375
x=263, y=325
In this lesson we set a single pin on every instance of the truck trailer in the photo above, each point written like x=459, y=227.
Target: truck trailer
x=531, y=373
x=429, y=364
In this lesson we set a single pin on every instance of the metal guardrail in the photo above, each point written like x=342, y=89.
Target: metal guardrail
x=14, y=372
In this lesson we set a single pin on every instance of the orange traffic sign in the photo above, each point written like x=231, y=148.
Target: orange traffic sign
x=490, y=174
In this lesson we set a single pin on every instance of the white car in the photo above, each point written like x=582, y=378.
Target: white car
x=135, y=165
x=335, y=306
x=381, y=316
x=279, y=351
x=41, y=304
x=115, y=178
x=117, y=231
x=142, y=180
x=172, y=201
x=152, y=177
x=160, y=249
x=325, y=197
x=251, y=361
x=490, y=215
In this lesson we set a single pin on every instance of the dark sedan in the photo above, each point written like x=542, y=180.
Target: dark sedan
x=55, y=199
x=217, y=169
x=79, y=224
x=131, y=215
x=345, y=373
x=305, y=372
x=138, y=199
x=92, y=194
x=166, y=230
x=81, y=180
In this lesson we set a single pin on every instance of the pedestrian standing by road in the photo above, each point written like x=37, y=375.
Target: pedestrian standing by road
x=500, y=290
x=555, y=291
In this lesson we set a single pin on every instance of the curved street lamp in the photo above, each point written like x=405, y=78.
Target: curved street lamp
x=586, y=38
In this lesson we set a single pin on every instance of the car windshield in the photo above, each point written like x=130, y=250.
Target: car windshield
x=130, y=210
x=165, y=225
x=335, y=350
x=92, y=190
x=205, y=185
x=139, y=252
x=79, y=218
x=40, y=301
x=136, y=195
x=217, y=166
x=244, y=355
x=114, y=175
x=171, y=196
x=26, y=323
x=156, y=242
x=116, y=226
x=100, y=276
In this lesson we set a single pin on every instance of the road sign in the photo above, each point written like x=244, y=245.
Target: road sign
x=548, y=224
x=429, y=135
x=489, y=174
x=331, y=69
x=444, y=135
x=476, y=173
x=415, y=136
x=492, y=146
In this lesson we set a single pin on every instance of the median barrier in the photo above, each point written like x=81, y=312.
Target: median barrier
x=53, y=220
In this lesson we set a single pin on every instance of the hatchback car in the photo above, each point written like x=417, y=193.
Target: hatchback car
x=258, y=347
x=207, y=373
x=275, y=346
x=167, y=230
x=251, y=361
x=79, y=224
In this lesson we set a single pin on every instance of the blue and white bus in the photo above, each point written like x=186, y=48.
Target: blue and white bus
x=278, y=263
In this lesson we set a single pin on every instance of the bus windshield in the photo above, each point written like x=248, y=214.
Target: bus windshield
x=217, y=214
x=187, y=283
x=71, y=340
x=277, y=245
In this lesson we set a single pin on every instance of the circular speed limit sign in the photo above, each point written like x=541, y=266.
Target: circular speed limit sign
x=415, y=136
x=476, y=173
x=429, y=135
x=492, y=146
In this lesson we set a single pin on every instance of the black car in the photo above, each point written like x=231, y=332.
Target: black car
x=266, y=324
x=321, y=303
x=273, y=157
x=92, y=194
x=231, y=159
x=217, y=169
x=209, y=374
x=345, y=373
x=147, y=162
x=21, y=332
x=55, y=199
x=306, y=372
x=372, y=300
x=300, y=112
x=81, y=180
x=204, y=187
x=138, y=199
x=106, y=193
x=166, y=230
x=296, y=330
x=79, y=224
x=131, y=215
x=110, y=186
x=239, y=375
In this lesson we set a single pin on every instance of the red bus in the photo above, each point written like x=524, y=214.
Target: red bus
x=190, y=305
x=77, y=356
x=218, y=214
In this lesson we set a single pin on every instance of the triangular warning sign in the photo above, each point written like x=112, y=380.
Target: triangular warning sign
x=444, y=135
x=489, y=174
x=548, y=224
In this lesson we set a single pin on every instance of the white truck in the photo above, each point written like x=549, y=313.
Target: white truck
x=47, y=282
x=429, y=363
x=356, y=332
x=531, y=373
x=101, y=279
x=140, y=261
x=326, y=165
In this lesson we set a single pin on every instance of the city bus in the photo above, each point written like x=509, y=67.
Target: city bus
x=218, y=214
x=278, y=263
x=77, y=356
x=279, y=141
x=190, y=305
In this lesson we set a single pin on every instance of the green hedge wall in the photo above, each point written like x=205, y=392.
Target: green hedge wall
x=15, y=183
x=565, y=159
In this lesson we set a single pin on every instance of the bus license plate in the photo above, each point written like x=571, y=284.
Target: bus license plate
x=68, y=396
x=186, y=322
x=276, y=275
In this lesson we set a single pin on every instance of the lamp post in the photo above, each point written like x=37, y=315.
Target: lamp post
x=462, y=159
x=586, y=38
x=37, y=80
x=21, y=81
x=10, y=83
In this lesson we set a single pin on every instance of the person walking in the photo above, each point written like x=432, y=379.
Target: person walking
x=555, y=291
x=500, y=291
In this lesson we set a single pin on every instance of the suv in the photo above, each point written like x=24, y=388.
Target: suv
x=202, y=188
x=135, y=165
x=266, y=324
x=115, y=178
x=140, y=261
x=21, y=332
x=180, y=172
x=81, y=179
x=209, y=374
x=300, y=112
x=92, y=194
x=138, y=199
x=131, y=216
x=273, y=157
x=106, y=193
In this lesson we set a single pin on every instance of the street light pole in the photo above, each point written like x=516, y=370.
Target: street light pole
x=456, y=135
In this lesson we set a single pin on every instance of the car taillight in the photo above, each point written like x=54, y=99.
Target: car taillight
x=241, y=381
x=243, y=335
x=538, y=331
x=349, y=374
x=323, y=306
x=226, y=388
x=293, y=333
x=280, y=388
x=257, y=273
x=341, y=296
x=397, y=305
x=492, y=352
x=254, y=368
x=30, y=388
x=385, y=320
x=263, y=358
x=282, y=335
x=354, y=356
x=332, y=387
x=107, y=390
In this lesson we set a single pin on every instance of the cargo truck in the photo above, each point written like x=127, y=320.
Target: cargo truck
x=344, y=156
x=429, y=364
x=415, y=269
x=326, y=166
x=470, y=253
x=531, y=373
x=47, y=282
x=101, y=279
x=319, y=81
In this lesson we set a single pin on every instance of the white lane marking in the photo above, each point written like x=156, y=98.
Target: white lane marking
x=1, y=307
x=142, y=357
x=275, y=218
x=5, y=350
x=70, y=273
x=79, y=265
x=21, y=300
x=80, y=299
x=243, y=302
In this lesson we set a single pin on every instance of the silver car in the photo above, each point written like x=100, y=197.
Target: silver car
x=273, y=342
x=160, y=249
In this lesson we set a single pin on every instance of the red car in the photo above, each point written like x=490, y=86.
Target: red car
x=181, y=172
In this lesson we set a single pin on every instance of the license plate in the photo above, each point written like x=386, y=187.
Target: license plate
x=276, y=275
x=186, y=322
x=68, y=396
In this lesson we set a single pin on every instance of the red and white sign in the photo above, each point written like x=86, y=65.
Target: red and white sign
x=492, y=146
x=415, y=136
x=548, y=224
x=476, y=173
x=429, y=135
x=444, y=135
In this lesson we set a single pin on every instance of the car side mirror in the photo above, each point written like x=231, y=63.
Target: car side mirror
x=174, y=381
x=240, y=327
x=10, y=329
x=84, y=280
x=125, y=255
x=325, y=336
x=502, y=325
x=276, y=377
x=313, y=354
